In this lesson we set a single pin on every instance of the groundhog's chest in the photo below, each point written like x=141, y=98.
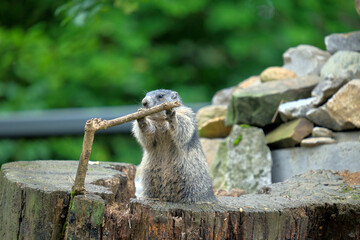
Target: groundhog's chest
x=161, y=139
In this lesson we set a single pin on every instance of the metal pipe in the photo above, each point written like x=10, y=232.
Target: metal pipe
x=55, y=122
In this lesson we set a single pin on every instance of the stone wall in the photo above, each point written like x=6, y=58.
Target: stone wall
x=305, y=109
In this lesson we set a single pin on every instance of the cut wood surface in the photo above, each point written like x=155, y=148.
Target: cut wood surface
x=34, y=198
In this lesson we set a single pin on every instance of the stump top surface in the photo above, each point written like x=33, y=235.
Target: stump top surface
x=311, y=188
x=55, y=175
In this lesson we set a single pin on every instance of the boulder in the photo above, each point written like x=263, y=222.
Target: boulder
x=251, y=81
x=289, y=134
x=305, y=60
x=210, y=147
x=316, y=141
x=321, y=132
x=326, y=88
x=343, y=41
x=222, y=97
x=243, y=161
x=258, y=104
x=276, y=73
x=210, y=112
x=349, y=136
x=337, y=156
x=296, y=109
x=343, y=64
x=342, y=111
x=214, y=128
x=341, y=68
x=218, y=169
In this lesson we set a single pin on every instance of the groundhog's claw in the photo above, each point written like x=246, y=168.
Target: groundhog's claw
x=141, y=122
x=170, y=115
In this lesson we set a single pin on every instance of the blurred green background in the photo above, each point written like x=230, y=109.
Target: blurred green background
x=87, y=53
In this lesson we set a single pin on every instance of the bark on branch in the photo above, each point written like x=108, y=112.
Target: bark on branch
x=95, y=124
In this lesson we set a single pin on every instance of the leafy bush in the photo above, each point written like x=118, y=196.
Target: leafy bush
x=112, y=55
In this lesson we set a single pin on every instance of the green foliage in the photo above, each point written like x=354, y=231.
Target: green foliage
x=195, y=47
x=103, y=53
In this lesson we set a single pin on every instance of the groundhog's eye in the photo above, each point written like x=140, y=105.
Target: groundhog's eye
x=160, y=96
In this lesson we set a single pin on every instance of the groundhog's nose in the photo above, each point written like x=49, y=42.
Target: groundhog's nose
x=145, y=102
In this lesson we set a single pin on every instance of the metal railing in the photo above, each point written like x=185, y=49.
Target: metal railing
x=55, y=122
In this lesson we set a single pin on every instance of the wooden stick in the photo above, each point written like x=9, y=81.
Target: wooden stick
x=357, y=6
x=277, y=111
x=79, y=184
x=95, y=124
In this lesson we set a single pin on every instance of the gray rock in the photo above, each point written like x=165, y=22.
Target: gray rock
x=322, y=118
x=218, y=169
x=305, y=59
x=343, y=41
x=316, y=141
x=326, y=88
x=258, y=104
x=321, y=132
x=292, y=161
x=343, y=64
x=349, y=136
x=341, y=68
x=210, y=147
x=296, y=109
x=342, y=111
x=243, y=161
x=223, y=96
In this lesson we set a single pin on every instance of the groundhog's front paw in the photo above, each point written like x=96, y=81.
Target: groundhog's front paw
x=142, y=123
x=170, y=114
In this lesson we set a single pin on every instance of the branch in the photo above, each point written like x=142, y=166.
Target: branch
x=95, y=124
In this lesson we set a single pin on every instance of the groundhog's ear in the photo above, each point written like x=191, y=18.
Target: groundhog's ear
x=174, y=95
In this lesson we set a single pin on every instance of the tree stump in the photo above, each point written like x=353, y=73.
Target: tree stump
x=35, y=199
x=314, y=205
x=35, y=204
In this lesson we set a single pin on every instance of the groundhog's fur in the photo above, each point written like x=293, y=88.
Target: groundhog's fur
x=173, y=166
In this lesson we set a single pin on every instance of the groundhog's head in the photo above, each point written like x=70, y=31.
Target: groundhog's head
x=157, y=97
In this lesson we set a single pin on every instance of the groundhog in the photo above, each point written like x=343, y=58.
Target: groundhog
x=173, y=167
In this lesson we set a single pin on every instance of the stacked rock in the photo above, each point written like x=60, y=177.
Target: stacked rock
x=305, y=103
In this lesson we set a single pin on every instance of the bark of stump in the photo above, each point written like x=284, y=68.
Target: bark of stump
x=35, y=197
x=34, y=204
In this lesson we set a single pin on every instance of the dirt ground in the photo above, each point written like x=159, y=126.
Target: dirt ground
x=350, y=178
